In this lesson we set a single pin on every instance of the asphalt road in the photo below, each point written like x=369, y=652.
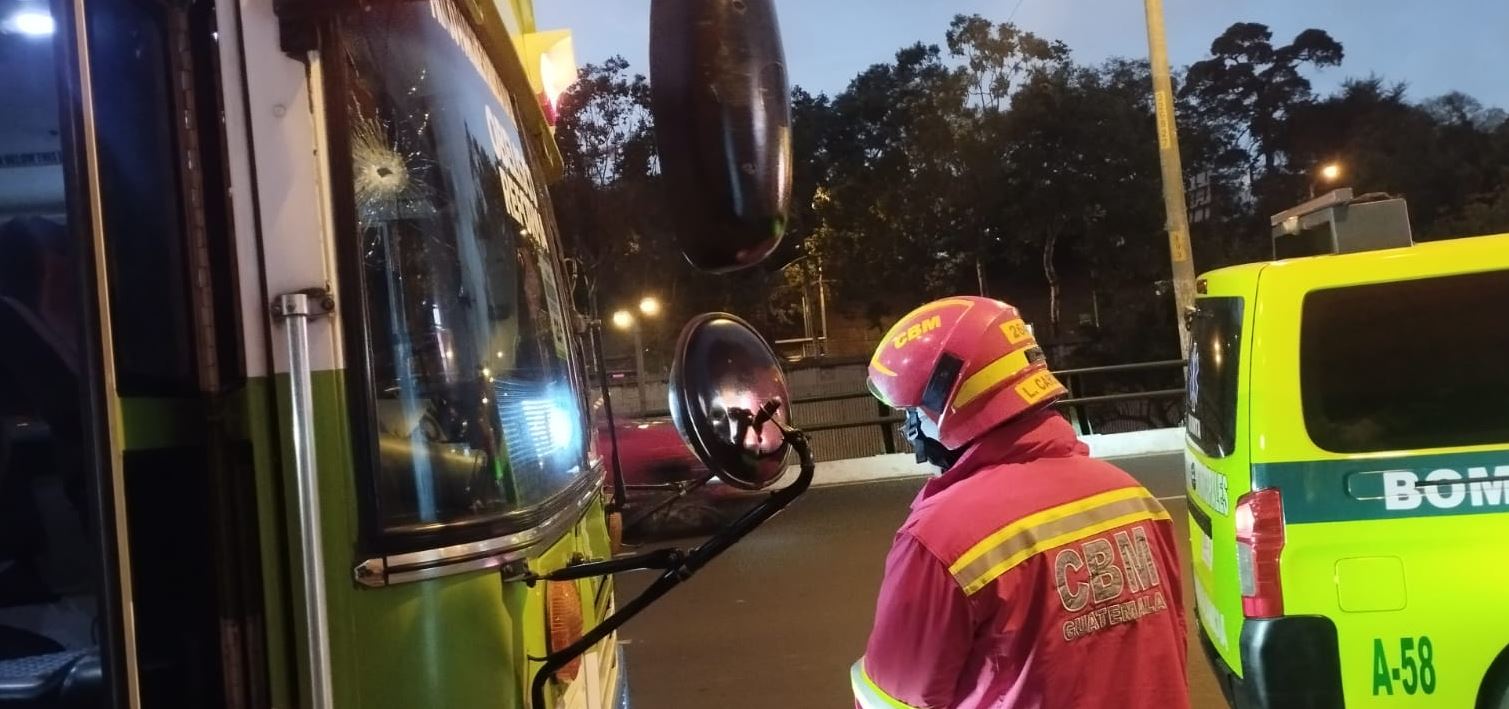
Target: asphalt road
x=778, y=619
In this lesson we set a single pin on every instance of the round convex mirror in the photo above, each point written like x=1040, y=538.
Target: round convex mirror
x=724, y=374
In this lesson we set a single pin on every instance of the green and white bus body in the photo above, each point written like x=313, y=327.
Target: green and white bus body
x=312, y=317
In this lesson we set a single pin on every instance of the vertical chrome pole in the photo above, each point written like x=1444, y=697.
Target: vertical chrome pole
x=293, y=309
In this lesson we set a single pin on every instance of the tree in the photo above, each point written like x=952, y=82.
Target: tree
x=1083, y=173
x=1441, y=155
x=612, y=209
x=1458, y=109
x=997, y=57
x=890, y=199
x=914, y=164
x=606, y=136
x=1249, y=87
x=993, y=163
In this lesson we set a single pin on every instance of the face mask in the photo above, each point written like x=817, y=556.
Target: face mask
x=926, y=449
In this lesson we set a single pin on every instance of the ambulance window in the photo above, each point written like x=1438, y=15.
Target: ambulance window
x=1215, y=350
x=479, y=424
x=1407, y=365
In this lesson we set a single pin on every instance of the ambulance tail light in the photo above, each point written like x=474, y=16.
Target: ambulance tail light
x=1260, y=539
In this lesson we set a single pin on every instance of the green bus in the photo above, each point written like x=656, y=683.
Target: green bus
x=293, y=396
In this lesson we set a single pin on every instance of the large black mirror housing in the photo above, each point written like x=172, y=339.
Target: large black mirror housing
x=723, y=127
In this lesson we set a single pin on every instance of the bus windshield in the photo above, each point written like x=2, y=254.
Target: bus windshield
x=478, y=414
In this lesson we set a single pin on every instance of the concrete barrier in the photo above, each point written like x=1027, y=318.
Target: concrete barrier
x=903, y=465
x=717, y=505
x=1121, y=445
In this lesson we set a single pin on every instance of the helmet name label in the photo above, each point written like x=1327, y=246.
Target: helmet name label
x=916, y=331
x=1037, y=386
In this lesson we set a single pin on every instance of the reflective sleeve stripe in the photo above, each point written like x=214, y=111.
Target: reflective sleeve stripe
x=1031, y=535
x=870, y=696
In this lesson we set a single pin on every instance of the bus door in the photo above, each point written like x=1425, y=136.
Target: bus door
x=124, y=570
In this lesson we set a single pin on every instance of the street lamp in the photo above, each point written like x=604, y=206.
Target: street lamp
x=625, y=320
x=1328, y=173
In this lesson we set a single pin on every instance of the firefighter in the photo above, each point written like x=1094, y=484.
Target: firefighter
x=1027, y=573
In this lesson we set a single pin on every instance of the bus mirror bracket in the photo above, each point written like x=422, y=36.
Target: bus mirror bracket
x=677, y=565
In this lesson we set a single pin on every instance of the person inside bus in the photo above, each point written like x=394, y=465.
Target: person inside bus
x=37, y=274
x=43, y=437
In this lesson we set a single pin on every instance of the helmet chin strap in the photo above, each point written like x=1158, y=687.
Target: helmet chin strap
x=927, y=450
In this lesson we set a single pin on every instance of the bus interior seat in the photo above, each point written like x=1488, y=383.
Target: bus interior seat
x=41, y=434
x=69, y=679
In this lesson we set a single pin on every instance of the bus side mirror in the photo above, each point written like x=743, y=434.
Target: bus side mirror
x=729, y=400
x=723, y=127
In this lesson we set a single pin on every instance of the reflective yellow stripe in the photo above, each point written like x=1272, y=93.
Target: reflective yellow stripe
x=989, y=376
x=1037, y=518
x=868, y=694
x=1036, y=533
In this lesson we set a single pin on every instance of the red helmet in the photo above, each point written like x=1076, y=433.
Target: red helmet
x=970, y=364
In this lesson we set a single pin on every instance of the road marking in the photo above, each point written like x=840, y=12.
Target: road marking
x=1171, y=497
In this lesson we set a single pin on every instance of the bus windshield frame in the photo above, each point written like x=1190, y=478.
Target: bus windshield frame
x=464, y=379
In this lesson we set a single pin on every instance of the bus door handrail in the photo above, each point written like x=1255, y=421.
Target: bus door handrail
x=295, y=310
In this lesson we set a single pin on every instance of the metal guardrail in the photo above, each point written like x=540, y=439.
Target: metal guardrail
x=1114, y=368
x=1076, y=406
x=1069, y=402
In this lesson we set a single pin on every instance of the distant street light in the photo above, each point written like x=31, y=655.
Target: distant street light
x=1328, y=173
x=625, y=320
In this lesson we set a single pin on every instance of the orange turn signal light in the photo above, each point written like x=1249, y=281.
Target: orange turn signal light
x=563, y=612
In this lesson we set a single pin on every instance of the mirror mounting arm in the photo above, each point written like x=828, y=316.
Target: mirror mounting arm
x=678, y=491
x=657, y=559
x=689, y=564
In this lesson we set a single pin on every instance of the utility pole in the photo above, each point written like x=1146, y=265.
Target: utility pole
x=822, y=310
x=639, y=367
x=1173, y=172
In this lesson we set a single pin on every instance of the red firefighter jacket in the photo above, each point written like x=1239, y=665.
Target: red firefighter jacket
x=1029, y=576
